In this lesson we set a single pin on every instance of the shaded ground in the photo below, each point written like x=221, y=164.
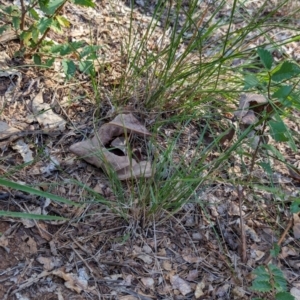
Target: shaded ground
x=195, y=254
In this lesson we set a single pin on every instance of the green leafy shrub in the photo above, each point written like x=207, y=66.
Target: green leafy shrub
x=270, y=279
x=33, y=22
x=280, y=84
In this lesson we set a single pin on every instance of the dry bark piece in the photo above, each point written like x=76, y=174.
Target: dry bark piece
x=94, y=152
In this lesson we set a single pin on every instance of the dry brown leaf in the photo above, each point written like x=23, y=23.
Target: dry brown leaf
x=287, y=251
x=31, y=244
x=199, y=289
x=145, y=258
x=72, y=281
x=167, y=265
x=191, y=258
x=49, y=263
x=44, y=114
x=239, y=292
x=94, y=152
x=129, y=122
x=193, y=274
x=250, y=102
x=180, y=284
x=148, y=282
x=23, y=149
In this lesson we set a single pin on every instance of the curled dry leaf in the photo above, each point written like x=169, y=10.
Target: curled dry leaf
x=23, y=149
x=94, y=152
x=248, y=102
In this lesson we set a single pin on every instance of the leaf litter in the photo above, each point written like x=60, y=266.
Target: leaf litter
x=189, y=256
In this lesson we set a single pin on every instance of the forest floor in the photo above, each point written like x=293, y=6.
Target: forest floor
x=200, y=252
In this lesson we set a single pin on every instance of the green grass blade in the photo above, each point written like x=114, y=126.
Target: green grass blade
x=30, y=190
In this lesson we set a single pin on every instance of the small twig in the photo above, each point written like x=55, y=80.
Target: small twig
x=256, y=150
x=288, y=227
x=83, y=260
x=23, y=13
x=31, y=281
x=243, y=235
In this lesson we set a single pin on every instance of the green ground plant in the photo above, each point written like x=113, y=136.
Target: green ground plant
x=270, y=279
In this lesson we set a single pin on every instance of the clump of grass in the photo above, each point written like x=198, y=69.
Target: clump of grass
x=190, y=64
x=197, y=70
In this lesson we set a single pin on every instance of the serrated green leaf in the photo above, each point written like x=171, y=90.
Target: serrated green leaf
x=284, y=296
x=90, y=51
x=16, y=22
x=55, y=26
x=87, y=67
x=280, y=284
x=286, y=71
x=44, y=24
x=260, y=271
x=65, y=49
x=10, y=9
x=37, y=59
x=34, y=14
x=49, y=7
x=4, y=28
x=278, y=131
x=63, y=21
x=30, y=216
x=26, y=36
x=35, y=34
x=69, y=68
x=267, y=167
x=261, y=286
x=250, y=81
x=295, y=206
x=49, y=62
x=76, y=45
x=87, y=3
x=275, y=250
x=265, y=57
x=283, y=92
x=56, y=48
x=43, y=5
